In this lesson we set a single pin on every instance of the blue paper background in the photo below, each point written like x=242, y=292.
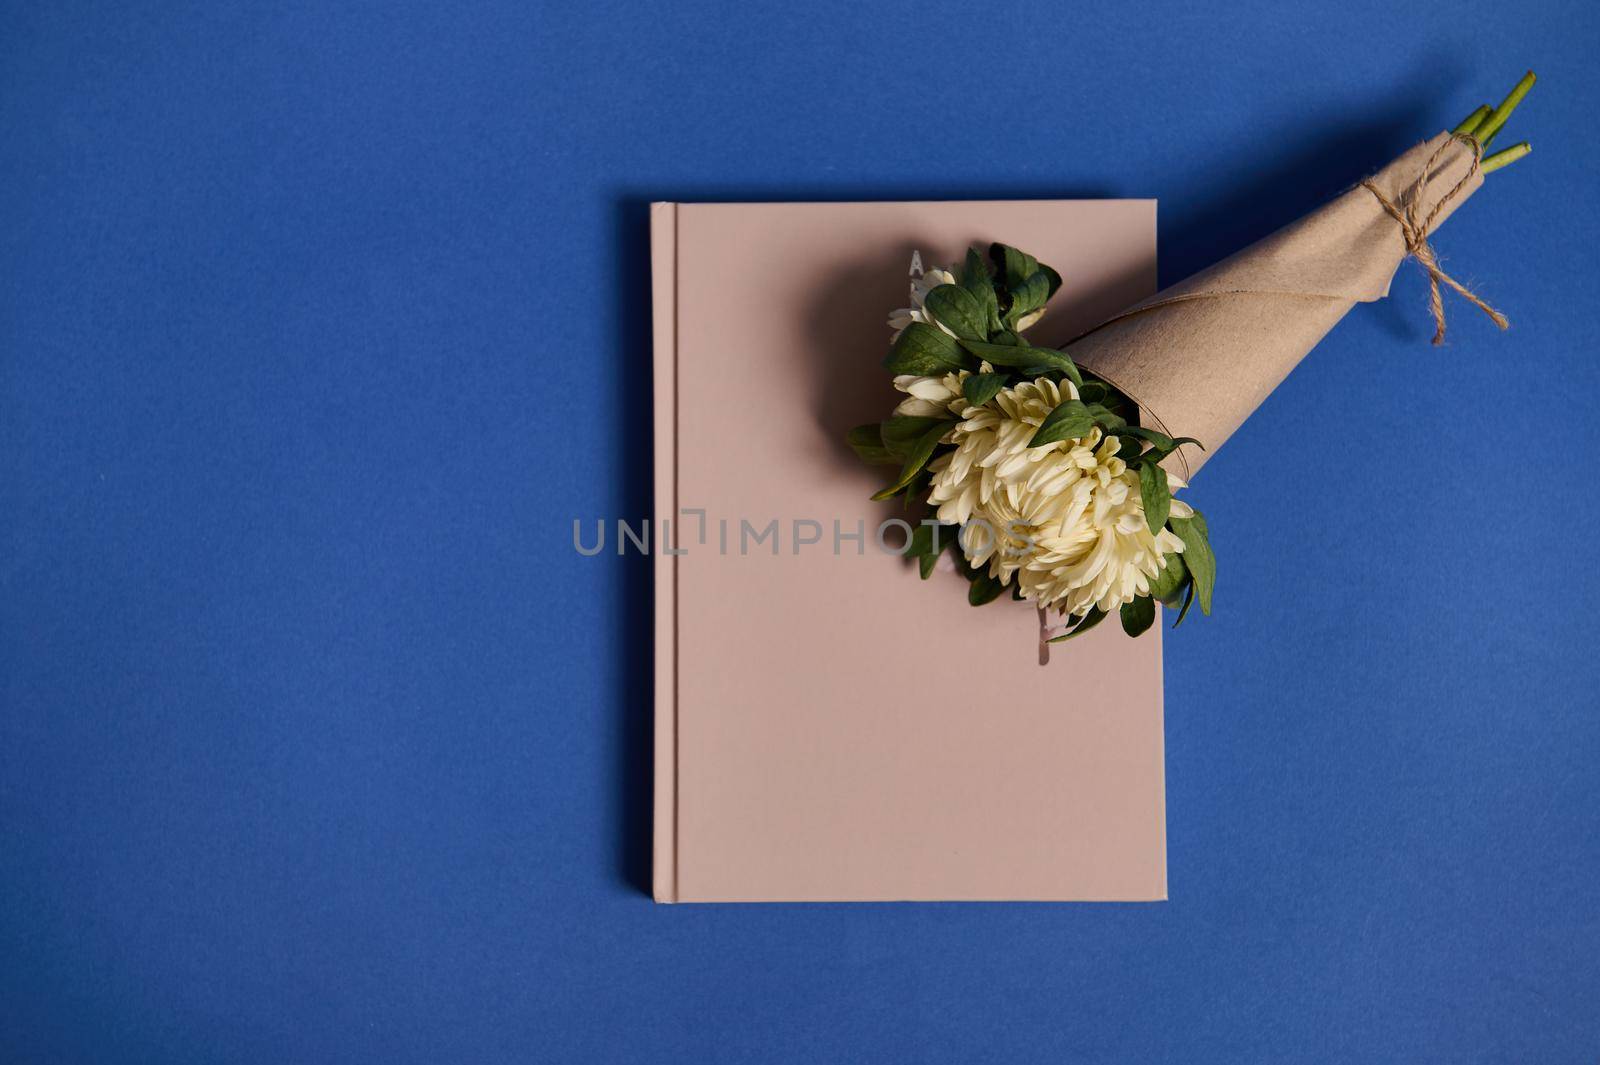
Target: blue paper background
x=320, y=323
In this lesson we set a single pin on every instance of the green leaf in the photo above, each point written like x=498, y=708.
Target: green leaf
x=1138, y=615
x=978, y=279
x=915, y=461
x=1069, y=420
x=1159, y=440
x=925, y=544
x=1052, y=278
x=1197, y=555
x=984, y=589
x=1170, y=581
x=1107, y=418
x=1093, y=391
x=1118, y=404
x=980, y=388
x=924, y=350
x=1161, y=445
x=867, y=442
x=1024, y=357
x=921, y=541
x=1155, y=495
x=1094, y=617
x=902, y=431
x=1026, y=298
x=1188, y=598
x=1130, y=449
x=1016, y=266
x=959, y=311
x=915, y=490
x=976, y=269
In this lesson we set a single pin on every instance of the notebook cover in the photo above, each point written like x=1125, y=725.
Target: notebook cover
x=828, y=725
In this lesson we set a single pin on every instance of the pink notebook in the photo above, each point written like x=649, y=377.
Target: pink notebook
x=828, y=725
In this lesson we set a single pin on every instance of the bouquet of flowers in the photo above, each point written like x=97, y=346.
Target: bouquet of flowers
x=1051, y=471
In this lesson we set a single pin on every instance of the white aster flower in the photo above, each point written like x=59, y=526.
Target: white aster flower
x=935, y=397
x=992, y=449
x=1064, y=521
x=931, y=397
x=920, y=287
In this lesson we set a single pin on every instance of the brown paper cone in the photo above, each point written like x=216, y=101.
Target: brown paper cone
x=1201, y=356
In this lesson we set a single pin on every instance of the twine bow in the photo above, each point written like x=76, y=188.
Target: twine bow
x=1416, y=232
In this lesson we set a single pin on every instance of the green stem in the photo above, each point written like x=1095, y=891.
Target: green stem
x=1507, y=157
x=1491, y=125
x=1470, y=124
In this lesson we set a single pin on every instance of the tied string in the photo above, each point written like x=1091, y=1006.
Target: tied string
x=1416, y=230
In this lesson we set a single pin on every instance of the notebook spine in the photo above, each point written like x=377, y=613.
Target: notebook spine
x=664, y=297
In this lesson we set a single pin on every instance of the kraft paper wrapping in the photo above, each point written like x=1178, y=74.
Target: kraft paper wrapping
x=1201, y=356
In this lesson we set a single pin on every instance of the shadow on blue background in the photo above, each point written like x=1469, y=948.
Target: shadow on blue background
x=318, y=742
x=633, y=607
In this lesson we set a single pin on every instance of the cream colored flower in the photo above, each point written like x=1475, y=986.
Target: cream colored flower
x=1064, y=521
x=932, y=397
x=920, y=287
x=935, y=397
